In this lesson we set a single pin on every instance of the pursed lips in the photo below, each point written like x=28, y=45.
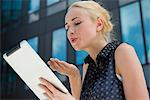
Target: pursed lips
x=73, y=40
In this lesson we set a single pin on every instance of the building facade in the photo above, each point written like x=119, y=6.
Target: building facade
x=41, y=23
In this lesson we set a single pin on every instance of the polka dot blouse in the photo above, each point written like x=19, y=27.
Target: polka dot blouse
x=101, y=82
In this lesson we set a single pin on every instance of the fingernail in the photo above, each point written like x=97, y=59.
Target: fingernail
x=57, y=59
x=61, y=61
x=48, y=62
x=52, y=59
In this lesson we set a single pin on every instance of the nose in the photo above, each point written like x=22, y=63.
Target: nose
x=71, y=31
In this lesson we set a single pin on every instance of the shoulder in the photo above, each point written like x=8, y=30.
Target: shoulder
x=130, y=69
x=126, y=58
x=124, y=48
x=125, y=52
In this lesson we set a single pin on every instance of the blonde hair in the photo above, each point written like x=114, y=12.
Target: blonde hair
x=96, y=11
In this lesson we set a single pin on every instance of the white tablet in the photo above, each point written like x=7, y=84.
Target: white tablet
x=29, y=66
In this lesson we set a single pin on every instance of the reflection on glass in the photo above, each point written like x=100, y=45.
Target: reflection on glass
x=80, y=56
x=34, y=5
x=17, y=4
x=34, y=43
x=72, y=1
x=49, y=2
x=59, y=45
x=16, y=9
x=146, y=19
x=131, y=29
x=11, y=10
x=56, y=8
x=33, y=17
x=6, y=4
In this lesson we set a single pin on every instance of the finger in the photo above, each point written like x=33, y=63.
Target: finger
x=57, y=66
x=51, y=65
x=54, y=62
x=48, y=92
x=49, y=98
x=65, y=64
x=48, y=85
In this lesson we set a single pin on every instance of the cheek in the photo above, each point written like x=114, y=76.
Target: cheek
x=87, y=37
x=88, y=33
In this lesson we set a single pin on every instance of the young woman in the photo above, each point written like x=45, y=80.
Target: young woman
x=112, y=70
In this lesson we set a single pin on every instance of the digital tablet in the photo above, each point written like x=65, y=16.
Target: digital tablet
x=30, y=67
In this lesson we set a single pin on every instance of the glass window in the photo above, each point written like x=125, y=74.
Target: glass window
x=59, y=44
x=34, y=43
x=56, y=8
x=11, y=10
x=59, y=48
x=15, y=15
x=34, y=5
x=131, y=28
x=146, y=19
x=5, y=16
x=33, y=17
x=17, y=4
x=6, y=4
x=124, y=2
x=80, y=56
x=49, y=2
x=16, y=9
x=72, y=1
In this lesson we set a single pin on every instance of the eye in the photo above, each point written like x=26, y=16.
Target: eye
x=77, y=23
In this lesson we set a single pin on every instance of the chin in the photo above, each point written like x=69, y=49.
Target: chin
x=77, y=48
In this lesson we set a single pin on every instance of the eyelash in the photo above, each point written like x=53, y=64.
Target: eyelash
x=77, y=23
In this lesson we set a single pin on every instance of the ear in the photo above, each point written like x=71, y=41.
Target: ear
x=100, y=24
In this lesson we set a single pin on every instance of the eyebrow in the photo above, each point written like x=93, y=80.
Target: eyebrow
x=72, y=19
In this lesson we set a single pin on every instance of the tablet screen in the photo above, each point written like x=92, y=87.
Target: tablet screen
x=29, y=66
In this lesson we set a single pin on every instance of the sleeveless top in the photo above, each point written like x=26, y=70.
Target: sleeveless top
x=101, y=82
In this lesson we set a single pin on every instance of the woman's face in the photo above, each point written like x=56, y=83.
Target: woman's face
x=81, y=29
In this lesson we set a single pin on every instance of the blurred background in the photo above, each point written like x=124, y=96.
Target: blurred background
x=41, y=23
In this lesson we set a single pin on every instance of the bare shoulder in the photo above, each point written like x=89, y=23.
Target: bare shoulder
x=124, y=48
x=126, y=58
x=129, y=67
x=125, y=52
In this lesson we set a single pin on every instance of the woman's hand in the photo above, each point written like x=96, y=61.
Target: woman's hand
x=52, y=93
x=64, y=68
x=71, y=71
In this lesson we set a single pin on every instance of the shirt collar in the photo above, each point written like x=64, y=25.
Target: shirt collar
x=103, y=54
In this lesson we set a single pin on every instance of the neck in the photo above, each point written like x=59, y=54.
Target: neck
x=93, y=50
